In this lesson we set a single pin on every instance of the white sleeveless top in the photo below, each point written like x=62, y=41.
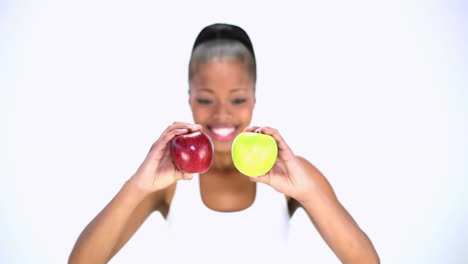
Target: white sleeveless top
x=201, y=235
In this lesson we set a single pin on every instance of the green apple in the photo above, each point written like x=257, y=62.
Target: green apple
x=254, y=154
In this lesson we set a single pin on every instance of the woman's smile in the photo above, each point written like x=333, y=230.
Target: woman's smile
x=223, y=132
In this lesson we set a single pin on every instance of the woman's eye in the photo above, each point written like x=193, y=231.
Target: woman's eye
x=239, y=101
x=204, y=101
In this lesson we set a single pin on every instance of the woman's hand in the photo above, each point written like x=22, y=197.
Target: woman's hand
x=290, y=175
x=157, y=170
x=297, y=178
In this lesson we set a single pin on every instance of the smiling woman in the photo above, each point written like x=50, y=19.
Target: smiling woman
x=220, y=88
x=222, y=215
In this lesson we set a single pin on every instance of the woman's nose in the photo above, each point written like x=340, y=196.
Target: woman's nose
x=222, y=111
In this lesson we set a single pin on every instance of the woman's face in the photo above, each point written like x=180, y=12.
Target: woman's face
x=222, y=99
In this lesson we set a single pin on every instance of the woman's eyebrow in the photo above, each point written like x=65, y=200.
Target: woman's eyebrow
x=237, y=89
x=231, y=91
x=206, y=90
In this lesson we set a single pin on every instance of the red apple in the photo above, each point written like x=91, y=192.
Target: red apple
x=192, y=153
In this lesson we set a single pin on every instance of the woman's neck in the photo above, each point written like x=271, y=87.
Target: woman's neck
x=222, y=161
x=223, y=167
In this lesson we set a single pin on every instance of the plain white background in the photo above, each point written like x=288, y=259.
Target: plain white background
x=373, y=93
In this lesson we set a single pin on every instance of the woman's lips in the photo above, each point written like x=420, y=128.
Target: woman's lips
x=223, y=132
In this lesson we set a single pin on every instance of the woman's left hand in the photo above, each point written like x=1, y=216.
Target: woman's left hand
x=297, y=178
x=291, y=175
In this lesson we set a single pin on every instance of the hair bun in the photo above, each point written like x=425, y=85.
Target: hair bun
x=224, y=31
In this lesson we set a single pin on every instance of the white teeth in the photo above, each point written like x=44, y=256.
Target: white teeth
x=223, y=131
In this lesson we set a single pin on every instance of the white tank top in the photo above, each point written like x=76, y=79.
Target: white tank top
x=202, y=235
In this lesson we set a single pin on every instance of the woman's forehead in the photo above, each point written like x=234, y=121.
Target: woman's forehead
x=213, y=91
x=222, y=65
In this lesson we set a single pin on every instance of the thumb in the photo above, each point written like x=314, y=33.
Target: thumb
x=263, y=179
x=187, y=176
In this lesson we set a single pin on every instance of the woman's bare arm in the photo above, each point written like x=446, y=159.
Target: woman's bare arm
x=140, y=195
x=335, y=224
x=114, y=225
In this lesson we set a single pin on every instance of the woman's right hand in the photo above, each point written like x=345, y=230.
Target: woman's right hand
x=157, y=170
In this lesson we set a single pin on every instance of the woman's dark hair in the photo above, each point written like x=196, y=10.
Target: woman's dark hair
x=219, y=41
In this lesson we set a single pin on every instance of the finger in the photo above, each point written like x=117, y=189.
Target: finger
x=180, y=122
x=197, y=127
x=159, y=147
x=178, y=125
x=181, y=175
x=190, y=127
x=187, y=176
x=172, y=134
x=251, y=128
x=263, y=179
x=284, y=149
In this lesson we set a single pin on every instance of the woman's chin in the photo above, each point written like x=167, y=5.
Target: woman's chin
x=222, y=147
